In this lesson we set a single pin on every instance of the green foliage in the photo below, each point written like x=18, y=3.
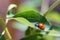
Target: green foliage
x=32, y=34
x=48, y=37
x=54, y=15
x=35, y=34
x=32, y=37
x=2, y=37
x=31, y=31
x=32, y=16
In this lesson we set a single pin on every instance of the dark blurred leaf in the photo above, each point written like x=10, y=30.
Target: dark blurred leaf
x=32, y=16
x=32, y=34
x=33, y=37
x=31, y=31
x=2, y=37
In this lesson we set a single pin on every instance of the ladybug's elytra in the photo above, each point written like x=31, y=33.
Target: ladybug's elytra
x=41, y=26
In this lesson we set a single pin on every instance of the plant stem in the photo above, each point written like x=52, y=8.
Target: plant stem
x=52, y=7
x=3, y=24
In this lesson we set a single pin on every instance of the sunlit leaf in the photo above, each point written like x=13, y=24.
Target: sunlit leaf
x=55, y=16
x=48, y=37
x=23, y=20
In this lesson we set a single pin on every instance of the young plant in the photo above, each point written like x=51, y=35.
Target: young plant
x=27, y=17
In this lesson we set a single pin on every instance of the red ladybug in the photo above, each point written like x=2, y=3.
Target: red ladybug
x=41, y=26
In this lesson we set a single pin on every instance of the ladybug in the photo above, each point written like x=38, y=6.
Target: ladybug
x=40, y=25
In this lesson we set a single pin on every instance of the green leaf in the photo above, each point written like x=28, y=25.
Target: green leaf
x=2, y=37
x=23, y=20
x=48, y=37
x=32, y=16
x=32, y=31
x=32, y=34
x=53, y=32
x=53, y=15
